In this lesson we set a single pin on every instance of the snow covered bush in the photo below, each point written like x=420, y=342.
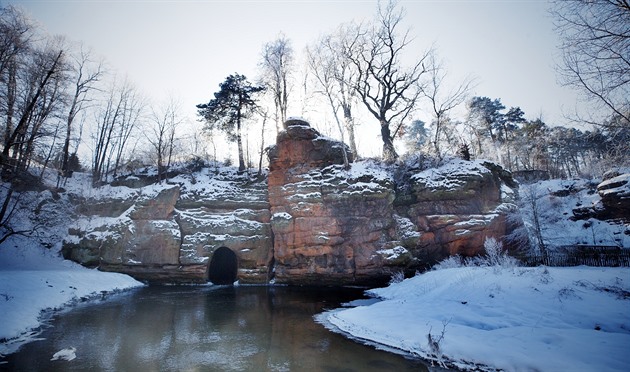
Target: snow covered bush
x=449, y=263
x=397, y=277
x=495, y=256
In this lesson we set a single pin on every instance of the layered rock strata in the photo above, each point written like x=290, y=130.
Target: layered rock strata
x=170, y=234
x=328, y=223
x=312, y=221
x=358, y=226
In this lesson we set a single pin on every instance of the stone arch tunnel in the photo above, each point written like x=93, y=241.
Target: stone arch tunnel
x=223, y=266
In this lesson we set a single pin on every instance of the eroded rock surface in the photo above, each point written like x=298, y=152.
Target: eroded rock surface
x=170, y=233
x=457, y=206
x=358, y=226
x=310, y=222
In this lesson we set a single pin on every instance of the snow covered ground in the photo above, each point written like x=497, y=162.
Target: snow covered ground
x=33, y=279
x=555, y=201
x=511, y=318
x=508, y=318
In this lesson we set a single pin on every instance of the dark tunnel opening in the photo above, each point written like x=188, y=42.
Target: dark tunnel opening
x=223, y=267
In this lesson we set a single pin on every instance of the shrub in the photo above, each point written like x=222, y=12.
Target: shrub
x=495, y=256
x=397, y=277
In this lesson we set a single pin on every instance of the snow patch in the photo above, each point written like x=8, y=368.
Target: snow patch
x=392, y=253
x=281, y=216
x=576, y=319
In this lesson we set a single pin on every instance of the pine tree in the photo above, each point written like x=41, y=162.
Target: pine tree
x=416, y=135
x=231, y=105
x=464, y=151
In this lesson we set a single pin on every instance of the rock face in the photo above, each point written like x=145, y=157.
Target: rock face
x=456, y=207
x=328, y=224
x=615, y=193
x=358, y=226
x=614, y=198
x=170, y=234
x=310, y=222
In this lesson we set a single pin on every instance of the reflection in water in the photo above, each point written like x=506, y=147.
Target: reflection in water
x=205, y=329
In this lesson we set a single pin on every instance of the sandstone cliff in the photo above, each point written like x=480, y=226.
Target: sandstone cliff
x=169, y=233
x=358, y=226
x=310, y=222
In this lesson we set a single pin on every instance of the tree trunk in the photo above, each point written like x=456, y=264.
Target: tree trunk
x=239, y=142
x=349, y=124
x=389, y=153
x=436, y=139
x=66, y=143
x=262, y=144
x=10, y=101
x=5, y=205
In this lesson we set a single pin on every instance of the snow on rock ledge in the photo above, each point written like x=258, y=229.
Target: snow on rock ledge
x=170, y=232
x=311, y=222
x=345, y=224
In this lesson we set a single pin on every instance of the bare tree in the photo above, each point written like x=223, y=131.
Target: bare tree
x=387, y=89
x=31, y=79
x=322, y=66
x=443, y=101
x=595, y=45
x=264, y=114
x=42, y=82
x=116, y=120
x=277, y=65
x=531, y=197
x=8, y=209
x=133, y=109
x=16, y=39
x=336, y=76
x=165, y=121
x=86, y=75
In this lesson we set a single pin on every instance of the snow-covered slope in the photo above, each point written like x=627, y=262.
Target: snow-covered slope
x=33, y=276
x=513, y=319
x=33, y=279
x=555, y=201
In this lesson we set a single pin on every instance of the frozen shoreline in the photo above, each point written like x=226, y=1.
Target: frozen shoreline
x=34, y=281
x=507, y=318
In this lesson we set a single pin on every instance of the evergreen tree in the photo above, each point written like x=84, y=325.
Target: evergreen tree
x=231, y=105
x=487, y=115
x=509, y=124
x=464, y=151
x=416, y=135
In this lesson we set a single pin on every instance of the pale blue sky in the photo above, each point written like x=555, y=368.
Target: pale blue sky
x=186, y=48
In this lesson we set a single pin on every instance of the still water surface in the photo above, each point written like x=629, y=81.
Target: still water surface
x=244, y=328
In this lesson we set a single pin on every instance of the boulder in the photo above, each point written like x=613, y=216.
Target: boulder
x=155, y=207
x=614, y=191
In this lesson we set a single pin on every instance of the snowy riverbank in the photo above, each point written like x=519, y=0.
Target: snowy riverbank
x=34, y=279
x=514, y=319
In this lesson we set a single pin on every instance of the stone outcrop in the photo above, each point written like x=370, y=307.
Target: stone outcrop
x=615, y=193
x=614, y=202
x=456, y=207
x=170, y=233
x=328, y=224
x=357, y=226
x=311, y=222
